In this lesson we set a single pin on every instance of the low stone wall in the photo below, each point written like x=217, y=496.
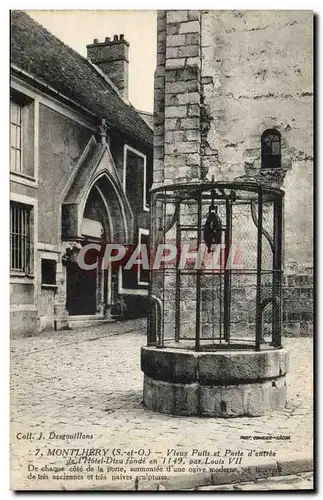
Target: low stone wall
x=297, y=297
x=298, y=305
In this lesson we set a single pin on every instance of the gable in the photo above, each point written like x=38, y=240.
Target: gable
x=95, y=164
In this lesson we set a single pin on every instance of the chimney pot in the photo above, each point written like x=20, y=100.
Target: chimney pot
x=96, y=40
x=112, y=58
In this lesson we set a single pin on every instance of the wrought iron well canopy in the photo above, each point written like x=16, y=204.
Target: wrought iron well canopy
x=221, y=288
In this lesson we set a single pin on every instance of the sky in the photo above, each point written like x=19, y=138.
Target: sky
x=78, y=28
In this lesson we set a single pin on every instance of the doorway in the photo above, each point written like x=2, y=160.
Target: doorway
x=81, y=290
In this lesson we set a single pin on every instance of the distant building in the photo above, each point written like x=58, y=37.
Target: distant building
x=80, y=172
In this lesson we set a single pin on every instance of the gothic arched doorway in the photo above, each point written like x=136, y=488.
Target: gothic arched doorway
x=92, y=292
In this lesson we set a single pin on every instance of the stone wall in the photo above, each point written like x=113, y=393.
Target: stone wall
x=257, y=74
x=61, y=143
x=177, y=136
x=222, y=79
x=298, y=304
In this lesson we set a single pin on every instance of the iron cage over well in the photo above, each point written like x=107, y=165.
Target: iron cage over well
x=216, y=266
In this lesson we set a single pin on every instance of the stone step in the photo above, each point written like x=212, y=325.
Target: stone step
x=88, y=320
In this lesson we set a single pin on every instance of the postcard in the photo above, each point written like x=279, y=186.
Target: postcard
x=161, y=250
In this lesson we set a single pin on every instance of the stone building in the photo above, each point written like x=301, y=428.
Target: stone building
x=234, y=100
x=80, y=172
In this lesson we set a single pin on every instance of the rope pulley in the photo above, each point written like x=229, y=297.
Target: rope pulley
x=213, y=226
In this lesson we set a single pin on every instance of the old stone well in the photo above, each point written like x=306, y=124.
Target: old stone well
x=214, y=330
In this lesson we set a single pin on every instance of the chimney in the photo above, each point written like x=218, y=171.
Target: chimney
x=111, y=56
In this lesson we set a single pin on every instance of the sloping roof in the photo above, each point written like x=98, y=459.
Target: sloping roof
x=45, y=57
x=148, y=117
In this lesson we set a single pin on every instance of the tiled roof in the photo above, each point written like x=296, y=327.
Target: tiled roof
x=42, y=55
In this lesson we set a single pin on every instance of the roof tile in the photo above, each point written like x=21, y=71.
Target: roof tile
x=45, y=57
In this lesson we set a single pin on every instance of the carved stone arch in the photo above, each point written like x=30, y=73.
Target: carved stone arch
x=97, y=171
x=115, y=207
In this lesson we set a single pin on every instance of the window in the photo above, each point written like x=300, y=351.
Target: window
x=48, y=272
x=271, y=149
x=15, y=137
x=20, y=230
x=135, y=178
x=22, y=135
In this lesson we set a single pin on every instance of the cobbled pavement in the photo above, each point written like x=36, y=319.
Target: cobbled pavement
x=89, y=380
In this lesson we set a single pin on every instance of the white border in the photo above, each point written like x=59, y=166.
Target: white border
x=124, y=4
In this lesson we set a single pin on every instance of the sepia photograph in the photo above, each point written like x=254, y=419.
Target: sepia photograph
x=161, y=250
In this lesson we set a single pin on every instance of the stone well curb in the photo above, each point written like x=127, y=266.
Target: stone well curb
x=284, y=466
x=222, y=383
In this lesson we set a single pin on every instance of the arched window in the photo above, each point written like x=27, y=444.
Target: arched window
x=271, y=149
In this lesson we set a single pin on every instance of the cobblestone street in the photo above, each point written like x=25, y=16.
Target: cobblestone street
x=90, y=381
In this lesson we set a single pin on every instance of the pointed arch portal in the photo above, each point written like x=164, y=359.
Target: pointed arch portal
x=95, y=209
x=102, y=221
